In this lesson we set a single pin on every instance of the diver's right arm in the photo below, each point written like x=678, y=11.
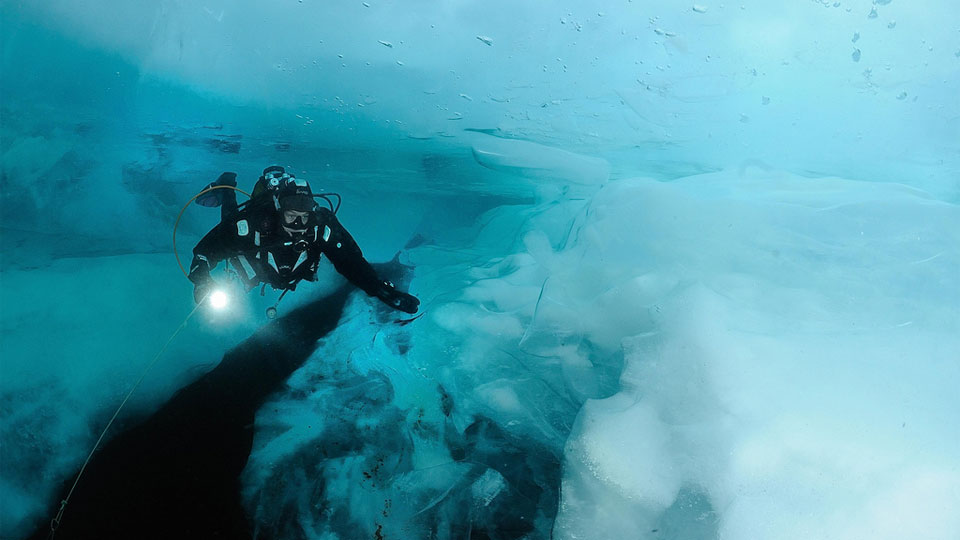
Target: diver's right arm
x=213, y=248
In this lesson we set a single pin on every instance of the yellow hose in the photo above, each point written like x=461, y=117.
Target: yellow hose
x=184, y=209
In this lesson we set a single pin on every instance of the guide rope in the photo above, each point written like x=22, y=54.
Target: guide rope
x=55, y=522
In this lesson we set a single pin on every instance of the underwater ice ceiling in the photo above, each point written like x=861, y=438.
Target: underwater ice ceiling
x=808, y=85
x=689, y=270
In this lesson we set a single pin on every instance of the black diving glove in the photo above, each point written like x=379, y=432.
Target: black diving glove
x=200, y=277
x=202, y=289
x=397, y=299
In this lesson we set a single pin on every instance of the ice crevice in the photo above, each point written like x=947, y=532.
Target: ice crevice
x=708, y=364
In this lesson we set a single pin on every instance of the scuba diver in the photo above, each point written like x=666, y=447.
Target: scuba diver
x=278, y=237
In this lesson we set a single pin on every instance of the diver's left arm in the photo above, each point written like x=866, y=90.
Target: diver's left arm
x=347, y=258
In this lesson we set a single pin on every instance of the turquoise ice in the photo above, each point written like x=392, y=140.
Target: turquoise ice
x=688, y=270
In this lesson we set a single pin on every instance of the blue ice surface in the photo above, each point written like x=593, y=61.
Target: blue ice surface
x=685, y=273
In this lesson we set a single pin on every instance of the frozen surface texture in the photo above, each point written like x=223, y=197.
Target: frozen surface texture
x=688, y=271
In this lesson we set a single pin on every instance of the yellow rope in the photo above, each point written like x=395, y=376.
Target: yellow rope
x=55, y=522
x=184, y=209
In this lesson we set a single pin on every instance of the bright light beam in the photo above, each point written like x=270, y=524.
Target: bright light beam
x=218, y=300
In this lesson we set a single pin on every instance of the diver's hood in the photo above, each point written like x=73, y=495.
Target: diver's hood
x=300, y=202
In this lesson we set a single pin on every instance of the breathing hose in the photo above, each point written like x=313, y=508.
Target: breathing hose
x=184, y=209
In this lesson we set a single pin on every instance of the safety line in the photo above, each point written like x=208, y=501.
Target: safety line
x=55, y=522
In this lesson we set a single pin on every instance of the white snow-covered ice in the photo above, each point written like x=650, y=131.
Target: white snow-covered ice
x=687, y=271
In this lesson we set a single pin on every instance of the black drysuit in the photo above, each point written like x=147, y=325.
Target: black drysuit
x=260, y=251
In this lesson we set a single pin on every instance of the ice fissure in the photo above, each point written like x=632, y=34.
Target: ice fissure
x=687, y=271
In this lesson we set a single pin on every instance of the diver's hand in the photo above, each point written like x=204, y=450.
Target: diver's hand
x=397, y=299
x=200, y=277
x=202, y=289
x=407, y=303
